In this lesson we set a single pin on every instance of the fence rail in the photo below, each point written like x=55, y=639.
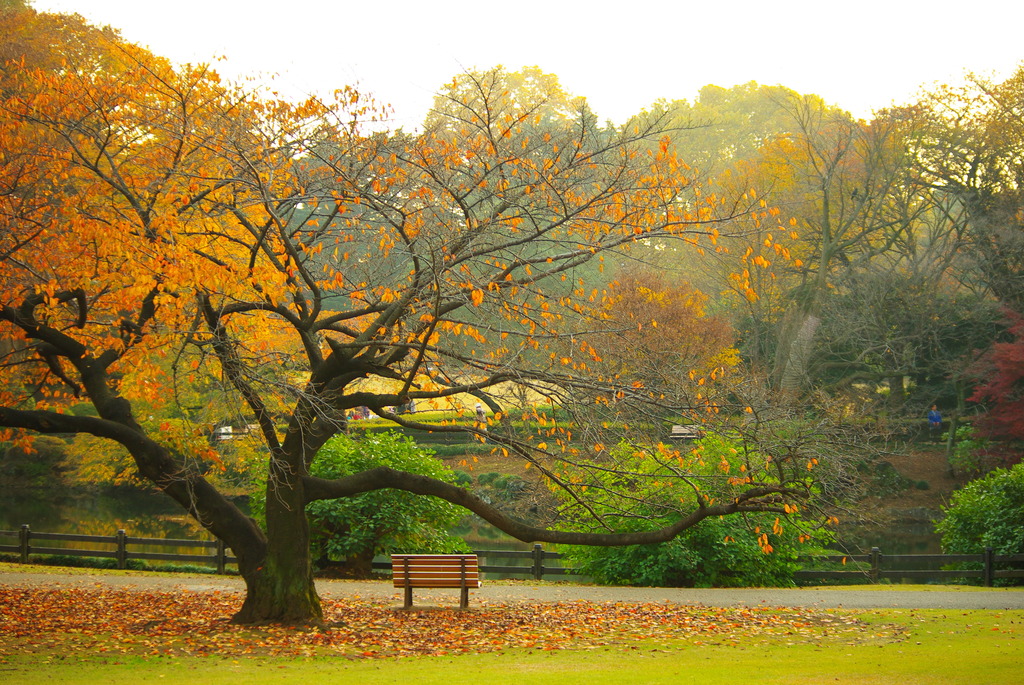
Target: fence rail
x=122, y=547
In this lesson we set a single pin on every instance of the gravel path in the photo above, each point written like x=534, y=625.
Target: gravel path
x=882, y=598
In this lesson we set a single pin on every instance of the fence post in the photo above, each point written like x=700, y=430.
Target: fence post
x=222, y=557
x=122, y=549
x=990, y=570
x=23, y=536
x=538, y=562
x=876, y=562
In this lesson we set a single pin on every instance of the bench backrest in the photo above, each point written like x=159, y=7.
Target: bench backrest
x=435, y=570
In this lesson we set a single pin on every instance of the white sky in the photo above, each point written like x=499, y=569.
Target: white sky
x=621, y=56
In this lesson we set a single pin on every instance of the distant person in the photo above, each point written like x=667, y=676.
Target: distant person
x=934, y=421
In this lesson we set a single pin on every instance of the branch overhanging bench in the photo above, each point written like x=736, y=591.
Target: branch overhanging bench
x=435, y=571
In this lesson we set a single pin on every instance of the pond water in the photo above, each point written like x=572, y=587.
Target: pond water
x=905, y=537
x=138, y=513
x=153, y=514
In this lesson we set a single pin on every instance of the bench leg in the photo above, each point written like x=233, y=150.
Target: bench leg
x=464, y=598
x=408, y=597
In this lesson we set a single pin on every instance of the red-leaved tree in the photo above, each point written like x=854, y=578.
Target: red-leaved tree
x=1001, y=371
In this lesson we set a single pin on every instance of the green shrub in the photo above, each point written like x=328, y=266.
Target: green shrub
x=355, y=529
x=719, y=552
x=986, y=512
x=510, y=486
x=487, y=478
x=968, y=450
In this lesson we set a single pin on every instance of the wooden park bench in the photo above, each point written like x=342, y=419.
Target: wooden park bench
x=435, y=570
x=686, y=433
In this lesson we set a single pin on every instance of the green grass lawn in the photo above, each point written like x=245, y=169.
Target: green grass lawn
x=975, y=647
x=901, y=647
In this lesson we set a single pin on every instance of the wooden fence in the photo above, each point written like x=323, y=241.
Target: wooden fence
x=119, y=546
x=875, y=566
x=537, y=563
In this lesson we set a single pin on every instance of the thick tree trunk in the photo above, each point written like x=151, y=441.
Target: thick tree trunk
x=281, y=589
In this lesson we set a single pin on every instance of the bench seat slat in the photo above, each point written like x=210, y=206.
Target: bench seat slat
x=415, y=579
x=435, y=574
x=440, y=583
x=436, y=567
x=419, y=555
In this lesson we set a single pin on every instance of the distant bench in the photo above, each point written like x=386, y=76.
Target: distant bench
x=686, y=433
x=435, y=570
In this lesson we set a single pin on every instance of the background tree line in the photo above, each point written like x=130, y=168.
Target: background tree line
x=904, y=261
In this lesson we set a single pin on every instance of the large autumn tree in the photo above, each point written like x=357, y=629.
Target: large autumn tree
x=157, y=225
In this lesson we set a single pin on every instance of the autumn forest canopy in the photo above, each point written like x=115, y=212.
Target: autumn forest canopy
x=179, y=253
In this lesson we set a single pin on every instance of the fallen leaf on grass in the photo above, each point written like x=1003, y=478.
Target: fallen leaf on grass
x=169, y=624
